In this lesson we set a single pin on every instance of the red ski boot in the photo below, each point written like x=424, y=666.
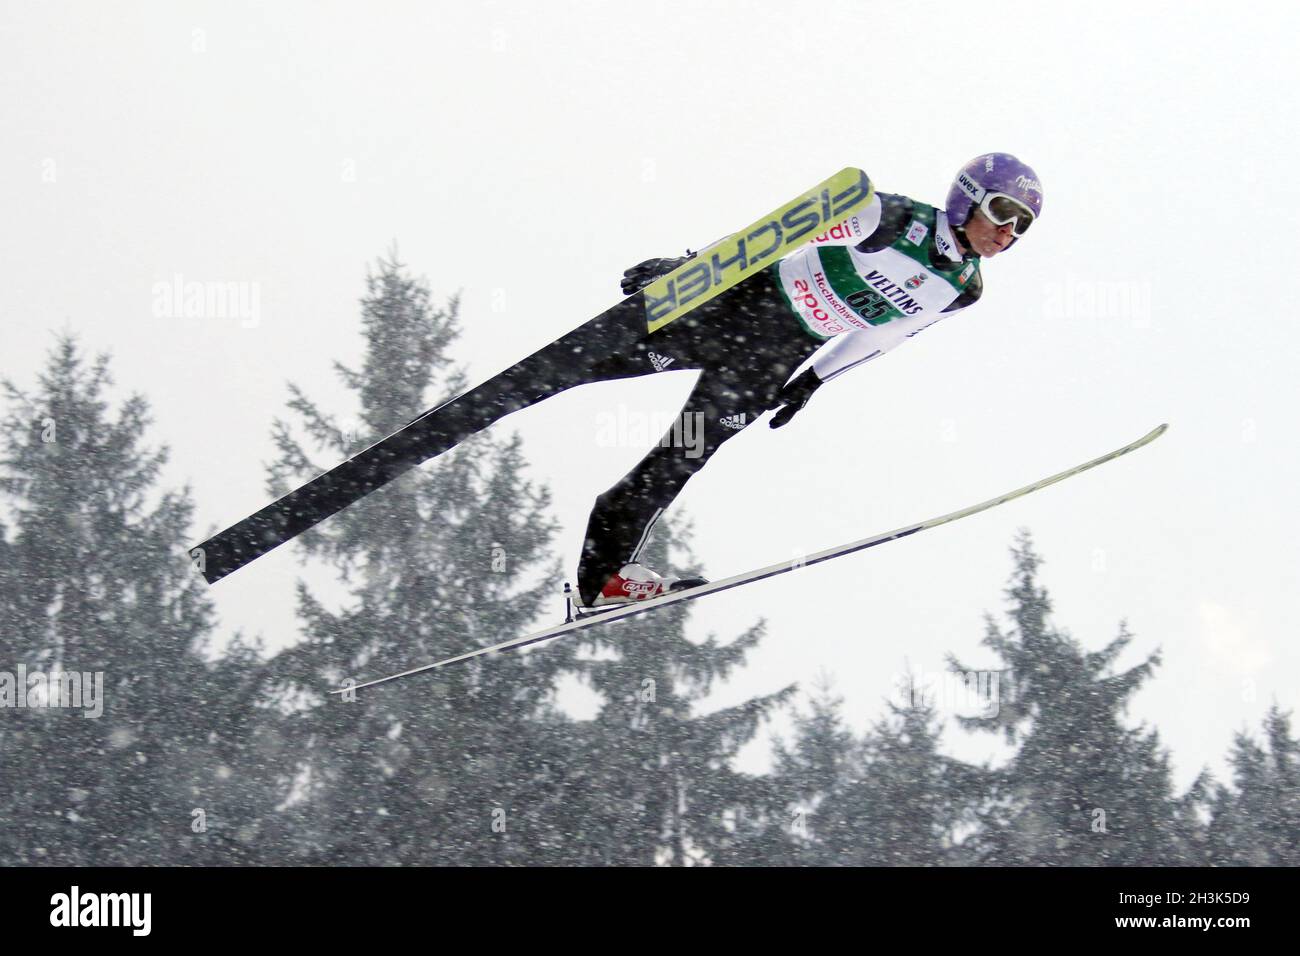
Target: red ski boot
x=636, y=582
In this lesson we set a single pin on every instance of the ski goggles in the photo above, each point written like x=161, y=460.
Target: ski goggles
x=1002, y=209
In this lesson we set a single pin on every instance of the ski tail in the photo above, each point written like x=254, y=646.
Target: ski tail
x=563, y=364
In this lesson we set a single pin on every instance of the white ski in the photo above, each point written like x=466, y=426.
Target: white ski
x=725, y=584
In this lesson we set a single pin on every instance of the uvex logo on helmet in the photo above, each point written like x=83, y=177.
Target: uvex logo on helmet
x=969, y=186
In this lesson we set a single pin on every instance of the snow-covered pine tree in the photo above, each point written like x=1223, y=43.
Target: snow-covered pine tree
x=96, y=579
x=909, y=804
x=443, y=769
x=812, y=768
x=1256, y=822
x=1082, y=787
x=650, y=779
x=888, y=799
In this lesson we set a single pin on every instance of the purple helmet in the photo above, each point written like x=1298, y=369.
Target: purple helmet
x=992, y=173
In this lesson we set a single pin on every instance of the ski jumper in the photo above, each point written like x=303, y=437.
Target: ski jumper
x=860, y=289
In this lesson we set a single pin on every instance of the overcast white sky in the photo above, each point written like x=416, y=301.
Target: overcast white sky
x=286, y=145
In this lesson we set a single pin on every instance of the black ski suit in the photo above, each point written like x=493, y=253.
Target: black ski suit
x=746, y=344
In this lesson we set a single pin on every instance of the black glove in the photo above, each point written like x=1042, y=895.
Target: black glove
x=795, y=396
x=643, y=273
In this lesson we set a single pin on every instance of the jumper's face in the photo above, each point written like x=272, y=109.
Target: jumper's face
x=986, y=239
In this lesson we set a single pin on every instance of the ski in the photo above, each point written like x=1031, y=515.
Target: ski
x=748, y=577
x=566, y=362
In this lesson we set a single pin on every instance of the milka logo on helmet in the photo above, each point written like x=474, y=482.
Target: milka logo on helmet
x=969, y=186
x=1029, y=185
x=741, y=254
